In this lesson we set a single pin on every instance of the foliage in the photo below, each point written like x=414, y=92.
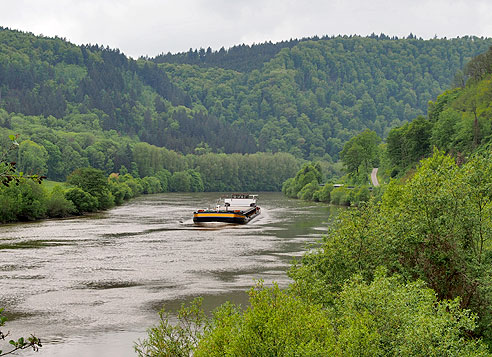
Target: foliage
x=82, y=201
x=177, y=340
x=434, y=227
x=120, y=190
x=339, y=196
x=307, y=192
x=459, y=122
x=25, y=201
x=8, y=170
x=324, y=194
x=309, y=174
x=306, y=185
x=151, y=184
x=180, y=181
x=32, y=158
x=480, y=66
x=218, y=172
x=312, y=97
x=275, y=324
x=408, y=144
x=386, y=317
x=164, y=176
x=360, y=155
x=21, y=343
x=389, y=317
x=242, y=58
x=95, y=183
x=58, y=205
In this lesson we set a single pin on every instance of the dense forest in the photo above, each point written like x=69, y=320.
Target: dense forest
x=311, y=98
x=303, y=97
x=459, y=122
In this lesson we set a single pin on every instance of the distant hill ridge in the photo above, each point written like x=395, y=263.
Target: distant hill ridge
x=245, y=58
x=306, y=97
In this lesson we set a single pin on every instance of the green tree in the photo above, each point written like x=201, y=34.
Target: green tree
x=434, y=227
x=8, y=170
x=164, y=176
x=409, y=143
x=308, y=174
x=82, y=201
x=32, y=158
x=196, y=183
x=360, y=154
x=58, y=205
x=95, y=183
x=180, y=182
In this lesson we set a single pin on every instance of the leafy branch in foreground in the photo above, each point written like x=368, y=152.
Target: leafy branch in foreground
x=21, y=343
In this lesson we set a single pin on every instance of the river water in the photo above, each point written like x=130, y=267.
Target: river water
x=90, y=286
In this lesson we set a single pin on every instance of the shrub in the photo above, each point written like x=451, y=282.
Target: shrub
x=120, y=191
x=151, y=184
x=324, y=193
x=306, y=193
x=58, y=205
x=32, y=202
x=83, y=201
x=340, y=196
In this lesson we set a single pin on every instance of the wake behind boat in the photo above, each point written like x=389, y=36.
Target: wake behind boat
x=237, y=208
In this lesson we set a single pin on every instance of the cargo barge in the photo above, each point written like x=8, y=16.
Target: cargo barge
x=239, y=208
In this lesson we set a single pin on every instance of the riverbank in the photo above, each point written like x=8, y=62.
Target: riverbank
x=86, y=190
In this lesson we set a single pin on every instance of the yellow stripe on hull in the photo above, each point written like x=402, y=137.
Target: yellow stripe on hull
x=225, y=215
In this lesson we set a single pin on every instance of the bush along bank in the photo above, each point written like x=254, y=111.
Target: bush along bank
x=87, y=190
x=306, y=185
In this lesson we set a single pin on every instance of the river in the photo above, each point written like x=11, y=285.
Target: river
x=90, y=286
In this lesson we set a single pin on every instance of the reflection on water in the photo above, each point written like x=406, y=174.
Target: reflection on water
x=95, y=283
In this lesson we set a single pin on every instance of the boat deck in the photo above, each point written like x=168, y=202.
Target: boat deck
x=233, y=208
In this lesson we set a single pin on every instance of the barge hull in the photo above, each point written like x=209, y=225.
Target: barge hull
x=226, y=217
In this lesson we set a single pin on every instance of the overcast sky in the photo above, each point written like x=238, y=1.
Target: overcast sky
x=151, y=27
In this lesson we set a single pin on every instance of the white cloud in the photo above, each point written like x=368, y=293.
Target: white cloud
x=149, y=27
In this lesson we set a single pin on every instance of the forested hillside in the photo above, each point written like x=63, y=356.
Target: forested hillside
x=312, y=97
x=91, y=88
x=88, y=105
x=459, y=121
